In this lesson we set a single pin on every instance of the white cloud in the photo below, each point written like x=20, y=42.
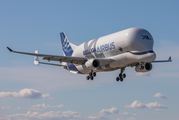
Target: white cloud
x=66, y=115
x=104, y=113
x=98, y=116
x=25, y=94
x=159, y=95
x=71, y=114
x=136, y=104
x=139, y=105
x=1, y=107
x=155, y=105
x=43, y=106
x=113, y=110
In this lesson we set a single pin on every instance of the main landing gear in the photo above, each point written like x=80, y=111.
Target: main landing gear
x=91, y=75
x=121, y=75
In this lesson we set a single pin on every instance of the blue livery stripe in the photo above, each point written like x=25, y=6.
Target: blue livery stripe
x=67, y=49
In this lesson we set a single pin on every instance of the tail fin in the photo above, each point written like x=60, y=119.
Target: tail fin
x=68, y=48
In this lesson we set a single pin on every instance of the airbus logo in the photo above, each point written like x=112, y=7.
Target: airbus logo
x=145, y=37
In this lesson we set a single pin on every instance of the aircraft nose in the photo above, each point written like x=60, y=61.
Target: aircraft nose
x=153, y=56
x=149, y=57
x=141, y=39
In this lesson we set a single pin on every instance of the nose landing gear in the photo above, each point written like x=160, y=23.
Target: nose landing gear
x=91, y=75
x=121, y=75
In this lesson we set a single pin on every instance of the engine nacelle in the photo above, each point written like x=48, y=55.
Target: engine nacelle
x=145, y=67
x=92, y=64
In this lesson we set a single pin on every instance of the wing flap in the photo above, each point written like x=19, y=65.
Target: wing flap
x=52, y=64
x=73, y=60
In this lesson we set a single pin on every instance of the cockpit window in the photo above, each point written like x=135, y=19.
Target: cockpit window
x=142, y=53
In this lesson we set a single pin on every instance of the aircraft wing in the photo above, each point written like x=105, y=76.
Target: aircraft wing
x=157, y=61
x=68, y=59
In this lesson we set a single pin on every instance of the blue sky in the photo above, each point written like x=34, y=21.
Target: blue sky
x=49, y=92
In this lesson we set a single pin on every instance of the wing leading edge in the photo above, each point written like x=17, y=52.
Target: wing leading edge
x=68, y=59
x=157, y=61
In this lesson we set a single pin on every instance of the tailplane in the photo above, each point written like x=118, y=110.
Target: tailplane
x=68, y=48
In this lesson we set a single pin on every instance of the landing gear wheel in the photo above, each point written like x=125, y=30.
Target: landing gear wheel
x=120, y=75
x=90, y=74
x=117, y=79
x=87, y=77
x=91, y=77
x=94, y=74
x=124, y=75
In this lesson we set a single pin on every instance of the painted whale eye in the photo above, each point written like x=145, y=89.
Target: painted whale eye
x=120, y=49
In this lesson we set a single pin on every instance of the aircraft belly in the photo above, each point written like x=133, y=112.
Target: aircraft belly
x=121, y=61
x=83, y=70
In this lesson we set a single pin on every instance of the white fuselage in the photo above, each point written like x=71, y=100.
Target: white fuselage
x=126, y=47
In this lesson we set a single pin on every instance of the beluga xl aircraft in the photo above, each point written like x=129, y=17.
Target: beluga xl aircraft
x=132, y=47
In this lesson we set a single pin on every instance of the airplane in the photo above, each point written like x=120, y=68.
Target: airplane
x=132, y=47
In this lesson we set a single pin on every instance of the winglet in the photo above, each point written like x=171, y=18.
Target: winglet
x=10, y=49
x=170, y=58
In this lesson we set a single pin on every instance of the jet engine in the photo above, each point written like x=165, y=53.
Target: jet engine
x=92, y=64
x=145, y=67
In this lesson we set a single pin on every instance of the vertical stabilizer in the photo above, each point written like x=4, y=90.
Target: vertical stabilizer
x=68, y=49
x=66, y=45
